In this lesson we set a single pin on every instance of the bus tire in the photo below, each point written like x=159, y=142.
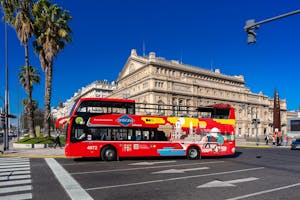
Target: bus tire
x=108, y=153
x=193, y=153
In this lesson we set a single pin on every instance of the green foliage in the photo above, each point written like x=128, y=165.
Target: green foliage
x=40, y=140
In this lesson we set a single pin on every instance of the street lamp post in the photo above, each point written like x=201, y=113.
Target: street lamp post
x=6, y=110
x=256, y=128
x=256, y=121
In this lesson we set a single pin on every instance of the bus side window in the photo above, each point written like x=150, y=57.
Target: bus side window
x=130, y=134
x=160, y=136
x=146, y=135
x=138, y=135
x=152, y=136
x=103, y=133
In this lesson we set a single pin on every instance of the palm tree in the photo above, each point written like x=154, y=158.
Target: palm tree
x=34, y=78
x=18, y=14
x=52, y=33
x=33, y=74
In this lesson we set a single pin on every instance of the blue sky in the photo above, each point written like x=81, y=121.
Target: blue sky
x=207, y=34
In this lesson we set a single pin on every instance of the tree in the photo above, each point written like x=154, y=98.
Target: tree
x=38, y=114
x=34, y=77
x=18, y=14
x=52, y=33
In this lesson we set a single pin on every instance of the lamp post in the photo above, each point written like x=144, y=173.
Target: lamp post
x=256, y=128
x=6, y=110
x=256, y=121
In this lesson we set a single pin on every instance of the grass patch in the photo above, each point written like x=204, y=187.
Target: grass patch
x=40, y=140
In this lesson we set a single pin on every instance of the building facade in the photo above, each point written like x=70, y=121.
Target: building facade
x=175, y=88
x=95, y=89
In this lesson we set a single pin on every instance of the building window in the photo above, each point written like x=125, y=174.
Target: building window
x=160, y=108
x=180, y=106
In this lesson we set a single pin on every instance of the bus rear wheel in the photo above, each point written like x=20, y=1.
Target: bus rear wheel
x=193, y=153
x=108, y=153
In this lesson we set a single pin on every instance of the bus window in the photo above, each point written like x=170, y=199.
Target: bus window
x=160, y=136
x=152, y=135
x=146, y=135
x=138, y=135
x=78, y=134
x=130, y=134
x=98, y=133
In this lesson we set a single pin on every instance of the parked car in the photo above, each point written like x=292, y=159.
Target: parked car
x=295, y=144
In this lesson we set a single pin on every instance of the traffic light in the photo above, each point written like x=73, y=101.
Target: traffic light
x=250, y=29
x=251, y=38
x=2, y=116
x=2, y=122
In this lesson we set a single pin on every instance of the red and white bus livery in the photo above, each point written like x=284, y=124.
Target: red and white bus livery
x=110, y=135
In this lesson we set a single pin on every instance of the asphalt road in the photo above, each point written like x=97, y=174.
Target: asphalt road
x=254, y=173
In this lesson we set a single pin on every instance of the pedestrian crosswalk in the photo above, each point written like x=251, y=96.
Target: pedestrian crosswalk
x=15, y=179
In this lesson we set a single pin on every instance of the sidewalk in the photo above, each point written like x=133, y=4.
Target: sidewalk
x=33, y=152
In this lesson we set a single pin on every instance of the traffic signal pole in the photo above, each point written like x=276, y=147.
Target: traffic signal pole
x=251, y=25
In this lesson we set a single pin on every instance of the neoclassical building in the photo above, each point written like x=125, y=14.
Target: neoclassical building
x=175, y=88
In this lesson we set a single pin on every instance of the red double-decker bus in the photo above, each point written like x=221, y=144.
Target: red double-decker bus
x=109, y=129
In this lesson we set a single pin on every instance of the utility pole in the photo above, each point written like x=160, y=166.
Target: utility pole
x=251, y=25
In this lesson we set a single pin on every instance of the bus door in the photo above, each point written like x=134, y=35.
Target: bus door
x=82, y=143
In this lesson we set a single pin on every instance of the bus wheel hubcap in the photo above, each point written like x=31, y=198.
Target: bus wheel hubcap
x=109, y=154
x=193, y=153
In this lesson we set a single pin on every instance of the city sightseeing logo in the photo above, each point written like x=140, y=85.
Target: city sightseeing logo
x=125, y=120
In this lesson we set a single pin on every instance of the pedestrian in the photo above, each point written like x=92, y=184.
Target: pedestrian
x=286, y=141
x=57, y=141
x=279, y=138
x=267, y=139
x=273, y=140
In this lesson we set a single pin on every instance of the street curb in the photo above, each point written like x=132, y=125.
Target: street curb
x=31, y=156
x=263, y=146
x=31, y=146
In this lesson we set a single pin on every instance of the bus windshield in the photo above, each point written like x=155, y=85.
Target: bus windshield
x=103, y=107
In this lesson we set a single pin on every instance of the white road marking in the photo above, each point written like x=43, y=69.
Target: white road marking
x=174, y=179
x=153, y=163
x=14, y=163
x=217, y=183
x=17, y=196
x=179, y=171
x=16, y=169
x=264, y=192
x=13, y=166
x=18, y=182
x=7, y=178
x=14, y=173
x=7, y=159
x=15, y=178
x=143, y=168
x=72, y=187
x=15, y=189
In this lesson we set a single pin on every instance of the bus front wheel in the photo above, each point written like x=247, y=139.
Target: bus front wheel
x=193, y=153
x=108, y=154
